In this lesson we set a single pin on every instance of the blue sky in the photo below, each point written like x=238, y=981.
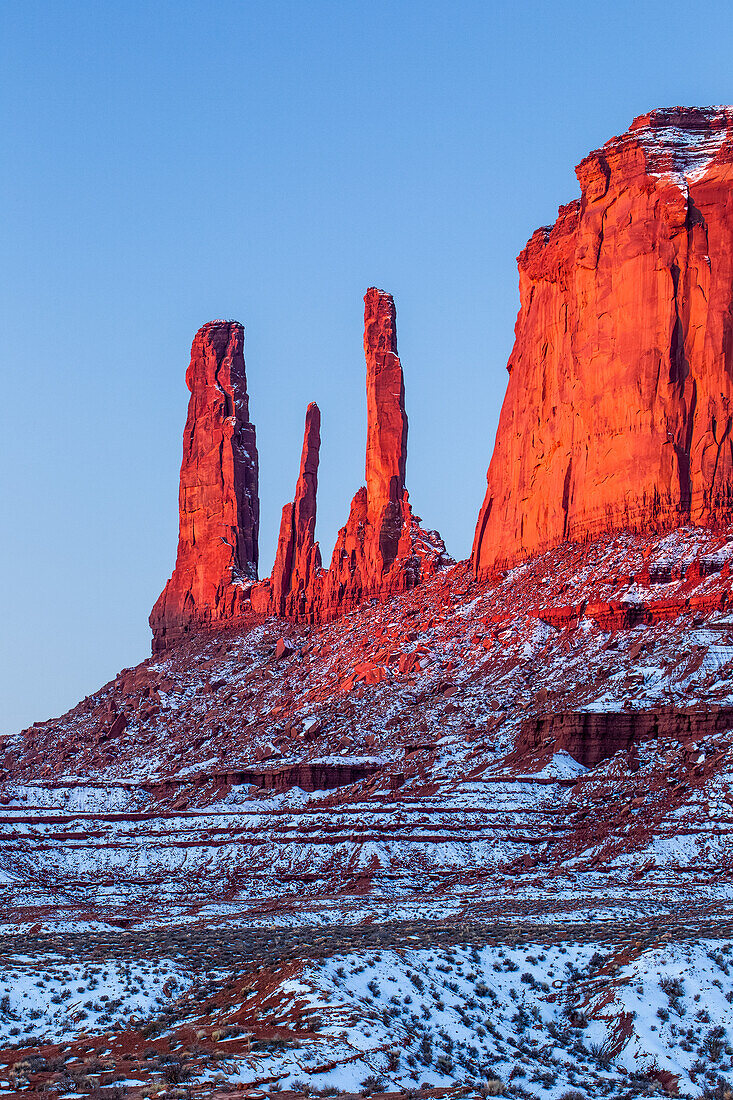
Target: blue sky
x=169, y=163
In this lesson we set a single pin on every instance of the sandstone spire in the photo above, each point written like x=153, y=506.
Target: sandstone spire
x=218, y=496
x=386, y=449
x=619, y=407
x=382, y=550
x=298, y=558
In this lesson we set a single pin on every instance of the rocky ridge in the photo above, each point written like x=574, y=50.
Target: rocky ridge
x=449, y=734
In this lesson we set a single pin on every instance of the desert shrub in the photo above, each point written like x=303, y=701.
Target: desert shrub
x=713, y=1044
x=601, y=1053
x=372, y=1083
x=153, y=1029
x=176, y=1071
x=673, y=987
x=545, y=1077
x=721, y=1090
x=576, y=1019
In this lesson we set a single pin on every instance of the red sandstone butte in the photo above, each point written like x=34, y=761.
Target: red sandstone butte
x=382, y=550
x=218, y=498
x=619, y=406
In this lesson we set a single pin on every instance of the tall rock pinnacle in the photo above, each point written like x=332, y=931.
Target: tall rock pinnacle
x=298, y=559
x=619, y=408
x=218, y=497
x=386, y=450
x=382, y=550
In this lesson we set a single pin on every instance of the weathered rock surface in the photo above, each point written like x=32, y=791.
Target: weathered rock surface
x=619, y=407
x=382, y=550
x=218, y=497
x=592, y=736
x=298, y=558
x=386, y=449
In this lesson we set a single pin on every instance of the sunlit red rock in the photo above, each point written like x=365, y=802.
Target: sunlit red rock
x=218, y=496
x=619, y=408
x=298, y=559
x=382, y=550
x=386, y=448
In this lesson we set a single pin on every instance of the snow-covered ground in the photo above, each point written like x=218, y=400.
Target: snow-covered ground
x=545, y=1018
x=476, y=814
x=49, y=999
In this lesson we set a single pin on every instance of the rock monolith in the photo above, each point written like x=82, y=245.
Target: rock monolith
x=619, y=406
x=218, y=496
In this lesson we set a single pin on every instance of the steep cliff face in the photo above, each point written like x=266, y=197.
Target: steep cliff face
x=382, y=550
x=218, y=497
x=619, y=412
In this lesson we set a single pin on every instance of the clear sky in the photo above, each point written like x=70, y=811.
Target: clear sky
x=167, y=163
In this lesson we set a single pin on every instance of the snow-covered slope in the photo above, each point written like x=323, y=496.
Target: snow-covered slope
x=553, y=746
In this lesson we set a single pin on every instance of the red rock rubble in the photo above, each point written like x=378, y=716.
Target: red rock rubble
x=619, y=408
x=218, y=498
